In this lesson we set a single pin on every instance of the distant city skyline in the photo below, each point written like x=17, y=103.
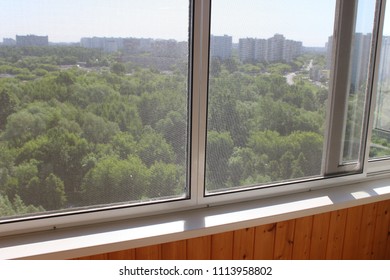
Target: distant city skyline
x=310, y=22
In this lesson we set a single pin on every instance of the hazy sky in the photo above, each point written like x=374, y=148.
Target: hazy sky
x=309, y=21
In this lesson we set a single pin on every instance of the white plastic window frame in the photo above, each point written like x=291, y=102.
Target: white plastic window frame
x=200, y=15
x=377, y=166
x=333, y=167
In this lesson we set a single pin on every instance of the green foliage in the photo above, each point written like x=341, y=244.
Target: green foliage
x=220, y=148
x=114, y=180
x=16, y=207
x=279, y=68
x=152, y=147
x=8, y=105
x=118, y=68
x=79, y=128
x=165, y=180
x=96, y=129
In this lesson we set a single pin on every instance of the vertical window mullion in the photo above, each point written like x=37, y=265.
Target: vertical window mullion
x=345, y=31
x=337, y=110
x=376, y=166
x=199, y=98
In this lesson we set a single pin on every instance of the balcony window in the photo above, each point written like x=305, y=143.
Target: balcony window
x=122, y=109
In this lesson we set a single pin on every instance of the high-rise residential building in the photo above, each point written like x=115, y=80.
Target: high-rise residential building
x=133, y=46
x=274, y=49
x=360, y=59
x=384, y=69
x=32, y=40
x=329, y=51
x=106, y=44
x=291, y=50
x=9, y=42
x=168, y=48
x=261, y=50
x=246, y=49
x=381, y=122
x=221, y=46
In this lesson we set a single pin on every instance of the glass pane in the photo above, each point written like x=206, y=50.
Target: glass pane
x=380, y=141
x=94, y=98
x=361, y=48
x=268, y=86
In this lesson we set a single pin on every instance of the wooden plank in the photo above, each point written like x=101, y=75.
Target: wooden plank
x=243, y=244
x=152, y=252
x=352, y=233
x=387, y=253
x=95, y=257
x=264, y=242
x=122, y=255
x=302, y=238
x=174, y=250
x=222, y=246
x=81, y=258
x=381, y=231
x=199, y=248
x=319, y=236
x=367, y=230
x=334, y=249
x=284, y=240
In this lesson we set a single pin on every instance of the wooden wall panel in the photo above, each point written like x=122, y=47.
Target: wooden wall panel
x=284, y=240
x=174, y=250
x=94, y=257
x=319, y=236
x=148, y=253
x=352, y=233
x=122, y=255
x=199, y=248
x=243, y=244
x=367, y=230
x=222, y=246
x=361, y=232
x=302, y=238
x=264, y=242
x=381, y=231
x=334, y=249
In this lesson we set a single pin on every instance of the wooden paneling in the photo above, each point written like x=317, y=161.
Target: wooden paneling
x=352, y=233
x=367, y=230
x=174, y=250
x=122, y=255
x=222, y=246
x=334, y=250
x=284, y=240
x=381, y=231
x=302, y=238
x=319, y=236
x=199, y=248
x=265, y=242
x=243, y=244
x=148, y=253
x=361, y=232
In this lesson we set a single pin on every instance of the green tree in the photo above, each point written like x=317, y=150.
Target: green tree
x=152, y=147
x=16, y=207
x=118, y=68
x=8, y=105
x=113, y=180
x=96, y=129
x=53, y=194
x=165, y=180
x=220, y=148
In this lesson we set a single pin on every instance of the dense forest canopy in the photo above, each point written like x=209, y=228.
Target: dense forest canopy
x=79, y=127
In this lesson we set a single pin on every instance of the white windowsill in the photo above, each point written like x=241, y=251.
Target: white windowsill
x=121, y=235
